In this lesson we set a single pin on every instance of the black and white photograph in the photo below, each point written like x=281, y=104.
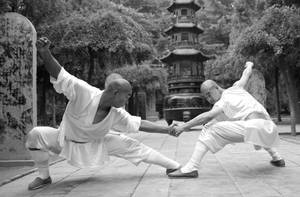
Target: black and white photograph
x=149, y=98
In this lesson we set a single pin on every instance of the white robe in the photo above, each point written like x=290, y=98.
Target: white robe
x=80, y=139
x=237, y=104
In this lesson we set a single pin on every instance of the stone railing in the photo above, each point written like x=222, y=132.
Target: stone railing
x=185, y=78
x=184, y=19
x=183, y=44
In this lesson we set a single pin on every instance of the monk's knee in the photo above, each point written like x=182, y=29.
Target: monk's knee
x=32, y=138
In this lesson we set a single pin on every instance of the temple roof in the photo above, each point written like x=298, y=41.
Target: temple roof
x=179, y=3
x=184, y=26
x=184, y=53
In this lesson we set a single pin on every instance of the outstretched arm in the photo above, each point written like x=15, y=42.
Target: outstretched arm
x=151, y=127
x=51, y=64
x=125, y=122
x=76, y=90
x=198, y=120
x=245, y=76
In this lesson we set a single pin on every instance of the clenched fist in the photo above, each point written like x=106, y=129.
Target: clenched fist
x=43, y=44
x=249, y=64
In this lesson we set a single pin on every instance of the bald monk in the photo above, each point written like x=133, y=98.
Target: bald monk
x=84, y=136
x=235, y=117
x=111, y=77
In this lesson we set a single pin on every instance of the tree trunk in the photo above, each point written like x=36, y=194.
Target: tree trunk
x=43, y=100
x=141, y=96
x=131, y=107
x=132, y=59
x=292, y=96
x=92, y=66
x=278, y=109
x=53, y=110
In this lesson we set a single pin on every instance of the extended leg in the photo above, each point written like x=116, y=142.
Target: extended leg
x=190, y=170
x=198, y=154
x=132, y=150
x=159, y=159
x=214, y=139
x=277, y=160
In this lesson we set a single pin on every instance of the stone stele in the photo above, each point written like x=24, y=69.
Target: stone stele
x=18, y=110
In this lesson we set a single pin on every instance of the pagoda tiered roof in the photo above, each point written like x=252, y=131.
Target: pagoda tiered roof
x=191, y=27
x=177, y=53
x=187, y=3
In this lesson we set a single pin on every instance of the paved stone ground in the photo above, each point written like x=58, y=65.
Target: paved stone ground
x=237, y=170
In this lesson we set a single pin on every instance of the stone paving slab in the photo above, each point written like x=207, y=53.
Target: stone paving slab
x=237, y=170
x=16, y=170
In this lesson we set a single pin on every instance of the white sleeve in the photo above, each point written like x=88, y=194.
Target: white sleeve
x=64, y=84
x=126, y=122
x=78, y=92
x=220, y=104
x=71, y=86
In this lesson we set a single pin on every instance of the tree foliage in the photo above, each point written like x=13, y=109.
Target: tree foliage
x=274, y=41
x=215, y=18
x=92, y=37
x=5, y=6
x=242, y=16
x=35, y=10
x=112, y=28
x=276, y=33
x=266, y=32
x=143, y=77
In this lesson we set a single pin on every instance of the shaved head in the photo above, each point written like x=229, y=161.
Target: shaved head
x=118, y=92
x=111, y=77
x=119, y=84
x=211, y=91
x=208, y=84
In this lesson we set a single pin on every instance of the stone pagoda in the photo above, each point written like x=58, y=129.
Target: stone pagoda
x=184, y=62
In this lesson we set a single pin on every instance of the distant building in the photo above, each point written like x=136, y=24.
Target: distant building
x=184, y=63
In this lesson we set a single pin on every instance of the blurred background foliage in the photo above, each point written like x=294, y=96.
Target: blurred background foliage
x=93, y=38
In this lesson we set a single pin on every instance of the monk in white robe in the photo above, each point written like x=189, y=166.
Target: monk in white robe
x=235, y=117
x=85, y=136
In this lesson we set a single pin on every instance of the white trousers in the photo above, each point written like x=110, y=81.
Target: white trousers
x=116, y=144
x=256, y=131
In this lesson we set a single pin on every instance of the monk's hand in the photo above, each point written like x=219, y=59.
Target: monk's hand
x=249, y=64
x=171, y=129
x=43, y=44
x=178, y=130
